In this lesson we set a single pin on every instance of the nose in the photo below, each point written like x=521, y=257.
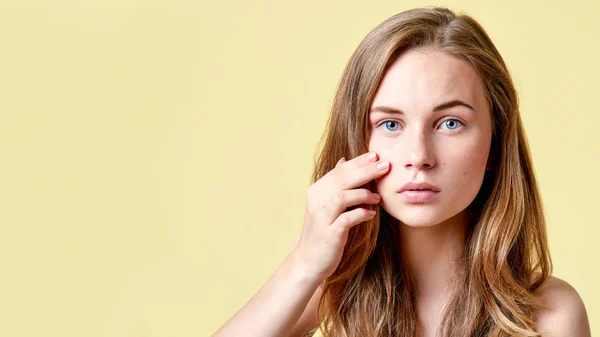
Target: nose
x=418, y=151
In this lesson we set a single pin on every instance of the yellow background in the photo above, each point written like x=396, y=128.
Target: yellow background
x=155, y=154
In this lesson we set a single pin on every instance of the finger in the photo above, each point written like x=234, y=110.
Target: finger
x=340, y=201
x=352, y=177
x=363, y=159
x=351, y=218
x=358, y=161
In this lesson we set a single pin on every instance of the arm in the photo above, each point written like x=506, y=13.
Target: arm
x=280, y=306
x=308, y=322
x=276, y=308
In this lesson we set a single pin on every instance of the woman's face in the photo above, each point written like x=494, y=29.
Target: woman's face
x=436, y=128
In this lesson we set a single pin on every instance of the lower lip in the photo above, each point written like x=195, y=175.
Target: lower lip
x=419, y=196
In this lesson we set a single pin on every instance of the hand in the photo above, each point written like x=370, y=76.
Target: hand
x=320, y=245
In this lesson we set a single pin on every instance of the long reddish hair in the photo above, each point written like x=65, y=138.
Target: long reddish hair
x=506, y=255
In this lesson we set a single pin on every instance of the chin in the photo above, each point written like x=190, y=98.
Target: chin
x=417, y=215
x=419, y=222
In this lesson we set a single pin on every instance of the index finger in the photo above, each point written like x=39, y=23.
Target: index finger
x=360, y=170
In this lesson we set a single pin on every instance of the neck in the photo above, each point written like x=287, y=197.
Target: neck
x=432, y=255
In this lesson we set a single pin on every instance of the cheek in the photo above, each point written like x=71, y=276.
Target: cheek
x=372, y=143
x=384, y=147
x=468, y=165
x=385, y=183
x=385, y=151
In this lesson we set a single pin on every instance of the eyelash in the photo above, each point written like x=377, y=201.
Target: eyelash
x=449, y=119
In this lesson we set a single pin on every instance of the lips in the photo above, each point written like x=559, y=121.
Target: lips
x=422, y=186
x=418, y=196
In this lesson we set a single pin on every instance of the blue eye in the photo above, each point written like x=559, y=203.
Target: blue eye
x=454, y=123
x=387, y=123
x=392, y=126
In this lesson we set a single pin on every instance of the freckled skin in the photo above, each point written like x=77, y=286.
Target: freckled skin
x=447, y=148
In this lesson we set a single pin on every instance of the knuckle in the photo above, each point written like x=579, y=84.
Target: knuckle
x=344, y=220
x=339, y=178
x=337, y=199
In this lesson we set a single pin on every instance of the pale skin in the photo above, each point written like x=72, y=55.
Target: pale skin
x=446, y=145
x=448, y=148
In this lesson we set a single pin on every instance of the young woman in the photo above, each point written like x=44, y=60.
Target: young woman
x=431, y=223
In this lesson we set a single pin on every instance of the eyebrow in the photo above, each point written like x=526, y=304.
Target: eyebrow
x=443, y=106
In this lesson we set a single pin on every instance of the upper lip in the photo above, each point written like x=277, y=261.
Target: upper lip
x=419, y=186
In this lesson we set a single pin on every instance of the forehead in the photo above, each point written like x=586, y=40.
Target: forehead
x=420, y=79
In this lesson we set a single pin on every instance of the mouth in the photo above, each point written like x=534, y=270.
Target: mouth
x=419, y=195
x=422, y=186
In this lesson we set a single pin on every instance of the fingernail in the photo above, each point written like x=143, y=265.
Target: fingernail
x=371, y=157
x=383, y=165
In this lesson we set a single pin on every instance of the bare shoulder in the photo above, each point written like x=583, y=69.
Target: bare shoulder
x=566, y=314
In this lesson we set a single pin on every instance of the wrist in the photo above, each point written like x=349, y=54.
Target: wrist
x=300, y=271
